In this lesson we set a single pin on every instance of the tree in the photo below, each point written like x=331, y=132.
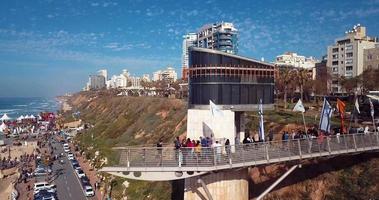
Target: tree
x=283, y=82
x=302, y=77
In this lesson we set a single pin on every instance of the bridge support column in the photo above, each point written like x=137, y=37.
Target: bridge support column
x=226, y=184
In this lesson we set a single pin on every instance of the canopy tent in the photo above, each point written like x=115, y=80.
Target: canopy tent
x=3, y=126
x=32, y=117
x=39, y=117
x=5, y=117
x=27, y=117
x=20, y=118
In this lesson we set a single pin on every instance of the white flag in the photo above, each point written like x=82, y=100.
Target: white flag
x=215, y=111
x=261, y=122
x=357, y=106
x=299, y=106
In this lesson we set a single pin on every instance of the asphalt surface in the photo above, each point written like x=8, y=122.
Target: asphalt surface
x=68, y=184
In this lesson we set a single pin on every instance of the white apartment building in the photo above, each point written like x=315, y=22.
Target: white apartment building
x=119, y=81
x=168, y=74
x=346, y=56
x=295, y=60
x=218, y=36
x=103, y=72
x=146, y=77
x=189, y=40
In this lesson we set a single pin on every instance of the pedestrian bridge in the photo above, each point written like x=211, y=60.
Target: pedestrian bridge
x=166, y=163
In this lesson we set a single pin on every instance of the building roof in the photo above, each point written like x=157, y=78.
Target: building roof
x=230, y=55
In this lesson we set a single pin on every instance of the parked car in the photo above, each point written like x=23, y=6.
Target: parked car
x=66, y=147
x=44, y=186
x=76, y=166
x=40, y=172
x=45, y=195
x=85, y=181
x=74, y=162
x=80, y=173
x=88, y=191
x=70, y=156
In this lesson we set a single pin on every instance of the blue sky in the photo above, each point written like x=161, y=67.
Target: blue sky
x=49, y=47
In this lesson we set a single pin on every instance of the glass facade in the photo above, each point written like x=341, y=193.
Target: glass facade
x=228, y=80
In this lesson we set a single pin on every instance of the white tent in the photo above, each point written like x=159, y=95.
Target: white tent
x=39, y=117
x=27, y=117
x=3, y=126
x=5, y=117
x=32, y=117
x=20, y=118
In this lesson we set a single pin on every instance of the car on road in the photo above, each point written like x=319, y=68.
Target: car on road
x=44, y=186
x=88, y=191
x=70, y=156
x=80, y=173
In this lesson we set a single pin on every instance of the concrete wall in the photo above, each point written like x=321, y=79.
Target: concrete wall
x=227, y=184
x=219, y=127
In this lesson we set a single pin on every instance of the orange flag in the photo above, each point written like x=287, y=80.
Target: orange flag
x=341, y=109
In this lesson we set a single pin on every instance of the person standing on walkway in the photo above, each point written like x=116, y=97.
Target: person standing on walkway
x=217, y=149
x=227, y=148
x=159, y=149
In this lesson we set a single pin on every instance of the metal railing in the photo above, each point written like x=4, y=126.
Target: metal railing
x=214, y=158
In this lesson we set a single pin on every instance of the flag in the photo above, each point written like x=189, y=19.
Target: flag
x=215, y=111
x=326, y=114
x=341, y=109
x=299, y=107
x=357, y=106
x=261, y=127
x=371, y=107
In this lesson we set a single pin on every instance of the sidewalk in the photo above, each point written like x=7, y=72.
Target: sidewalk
x=90, y=173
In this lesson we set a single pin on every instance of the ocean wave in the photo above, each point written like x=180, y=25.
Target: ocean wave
x=20, y=105
x=8, y=110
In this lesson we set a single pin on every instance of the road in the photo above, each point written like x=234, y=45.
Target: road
x=68, y=185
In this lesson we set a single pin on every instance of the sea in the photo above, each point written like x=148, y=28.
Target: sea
x=17, y=106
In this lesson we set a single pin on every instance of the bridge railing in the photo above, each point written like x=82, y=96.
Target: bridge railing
x=253, y=153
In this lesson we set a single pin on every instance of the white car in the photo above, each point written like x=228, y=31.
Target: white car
x=80, y=173
x=44, y=186
x=88, y=191
x=66, y=149
x=70, y=156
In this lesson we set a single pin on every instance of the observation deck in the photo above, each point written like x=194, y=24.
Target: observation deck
x=167, y=163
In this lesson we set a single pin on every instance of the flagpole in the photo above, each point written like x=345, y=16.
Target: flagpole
x=305, y=126
x=351, y=119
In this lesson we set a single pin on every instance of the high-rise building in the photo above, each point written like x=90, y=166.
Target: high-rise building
x=218, y=36
x=189, y=40
x=345, y=56
x=371, y=58
x=96, y=82
x=103, y=72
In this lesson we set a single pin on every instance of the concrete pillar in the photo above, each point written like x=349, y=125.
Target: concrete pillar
x=226, y=184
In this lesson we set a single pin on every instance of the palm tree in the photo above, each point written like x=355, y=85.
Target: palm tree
x=284, y=79
x=302, y=77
